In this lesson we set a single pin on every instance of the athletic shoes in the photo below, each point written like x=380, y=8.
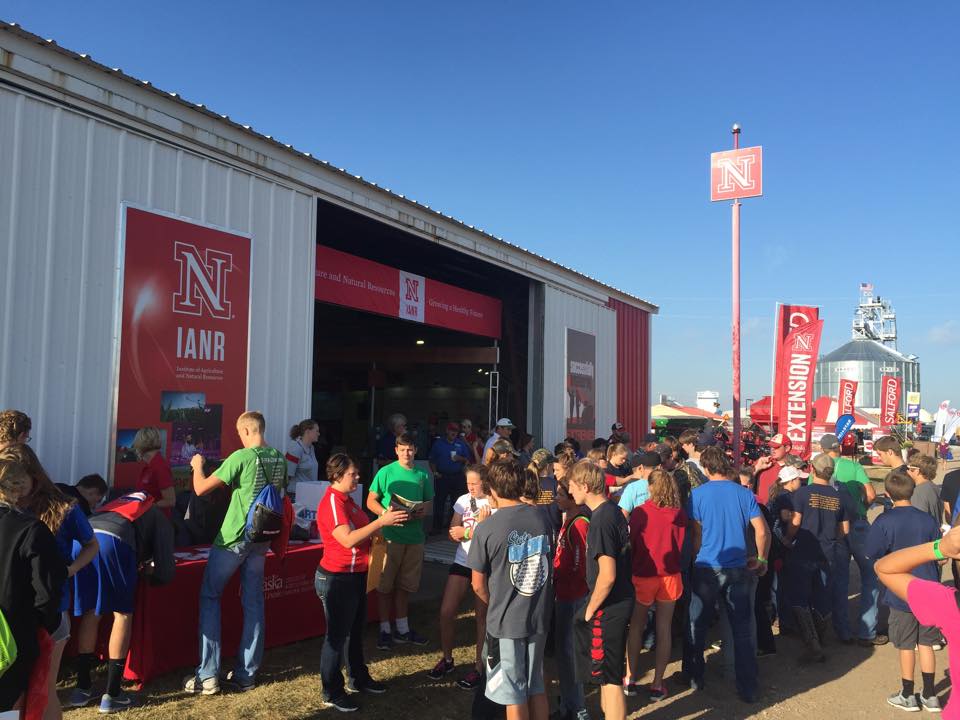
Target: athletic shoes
x=384, y=642
x=629, y=687
x=80, y=698
x=470, y=681
x=344, y=703
x=874, y=641
x=908, y=704
x=658, y=693
x=411, y=637
x=112, y=704
x=930, y=704
x=369, y=686
x=442, y=668
x=194, y=685
x=232, y=681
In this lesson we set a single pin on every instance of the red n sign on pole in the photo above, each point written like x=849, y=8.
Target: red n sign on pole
x=736, y=174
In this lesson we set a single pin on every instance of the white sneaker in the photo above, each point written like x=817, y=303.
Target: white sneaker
x=930, y=704
x=209, y=686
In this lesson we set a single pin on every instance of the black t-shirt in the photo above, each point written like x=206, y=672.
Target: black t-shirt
x=822, y=511
x=609, y=534
x=950, y=488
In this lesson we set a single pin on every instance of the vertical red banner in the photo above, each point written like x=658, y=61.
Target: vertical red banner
x=183, y=339
x=890, y=401
x=581, y=386
x=794, y=384
x=788, y=318
x=846, y=396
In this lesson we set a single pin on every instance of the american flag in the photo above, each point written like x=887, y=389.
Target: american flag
x=866, y=287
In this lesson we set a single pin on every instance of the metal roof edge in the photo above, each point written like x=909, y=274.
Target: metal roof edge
x=17, y=30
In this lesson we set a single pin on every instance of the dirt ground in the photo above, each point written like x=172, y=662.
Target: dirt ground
x=853, y=683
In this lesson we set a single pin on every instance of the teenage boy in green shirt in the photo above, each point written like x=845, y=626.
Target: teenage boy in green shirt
x=404, y=561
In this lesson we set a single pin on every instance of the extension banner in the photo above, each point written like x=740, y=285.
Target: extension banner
x=846, y=396
x=351, y=281
x=794, y=384
x=581, y=386
x=788, y=318
x=889, y=401
x=183, y=339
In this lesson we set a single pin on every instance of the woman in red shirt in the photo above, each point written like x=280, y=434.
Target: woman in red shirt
x=570, y=586
x=156, y=480
x=657, y=529
x=341, y=581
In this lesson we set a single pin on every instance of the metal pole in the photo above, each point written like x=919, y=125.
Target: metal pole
x=736, y=316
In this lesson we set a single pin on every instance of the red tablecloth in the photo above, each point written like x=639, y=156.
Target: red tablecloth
x=166, y=619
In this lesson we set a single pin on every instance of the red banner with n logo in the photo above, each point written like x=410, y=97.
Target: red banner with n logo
x=889, y=400
x=794, y=384
x=846, y=396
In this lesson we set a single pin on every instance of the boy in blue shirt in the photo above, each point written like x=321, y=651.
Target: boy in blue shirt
x=900, y=527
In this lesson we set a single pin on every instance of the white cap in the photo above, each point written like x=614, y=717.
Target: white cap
x=788, y=473
x=505, y=422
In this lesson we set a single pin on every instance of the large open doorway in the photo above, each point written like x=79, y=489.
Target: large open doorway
x=368, y=366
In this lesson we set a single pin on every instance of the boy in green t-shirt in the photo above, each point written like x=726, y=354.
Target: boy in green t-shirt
x=394, y=483
x=246, y=472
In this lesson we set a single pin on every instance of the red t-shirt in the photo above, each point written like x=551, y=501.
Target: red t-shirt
x=337, y=508
x=570, y=562
x=656, y=535
x=766, y=479
x=155, y=477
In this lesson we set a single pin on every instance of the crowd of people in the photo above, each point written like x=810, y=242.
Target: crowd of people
x=585, y=556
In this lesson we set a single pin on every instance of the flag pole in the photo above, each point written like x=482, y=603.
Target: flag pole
x=736, y=315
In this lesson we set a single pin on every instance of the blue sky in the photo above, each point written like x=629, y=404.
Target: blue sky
x=583, y=132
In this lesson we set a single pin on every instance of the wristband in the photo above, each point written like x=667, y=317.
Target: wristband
x=936, y=551
x=762, y=561
x=467, y=534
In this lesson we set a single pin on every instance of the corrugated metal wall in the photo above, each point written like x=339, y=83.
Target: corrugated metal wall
x=561, y=311
x=65, y=177
x=633, y=368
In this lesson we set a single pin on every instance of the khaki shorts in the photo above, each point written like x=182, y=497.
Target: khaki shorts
x=401, y=568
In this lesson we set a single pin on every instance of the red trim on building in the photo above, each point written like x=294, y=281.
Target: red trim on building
x=633, y=368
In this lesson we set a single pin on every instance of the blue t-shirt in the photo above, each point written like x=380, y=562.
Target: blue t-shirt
x=75, y=529
x=634, y=495
x=822, y=510
x=440, y=456
x=724, y=509
x=898, y=528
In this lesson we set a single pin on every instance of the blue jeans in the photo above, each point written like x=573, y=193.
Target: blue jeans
x=344, y=598
x=726, y=632
x=869, y=588
x=841, y=590
x=733, y=588
x=221, y=565
x=571, y=692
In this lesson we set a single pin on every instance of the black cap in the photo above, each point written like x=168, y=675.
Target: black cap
x=649, y=459
x=650, y=438
x=706, y=439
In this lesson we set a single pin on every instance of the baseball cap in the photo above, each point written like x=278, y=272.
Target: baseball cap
x=651, y=438
x=542, y=456
x=829, y=442
x=453, y=426
x=706, y=439
x=616, y=427
x=649, y=459
x=788, y=473
x=779, y=440
x=505, y=422
x=823, y=462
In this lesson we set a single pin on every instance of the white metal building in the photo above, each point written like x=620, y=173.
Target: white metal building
x=77, y=139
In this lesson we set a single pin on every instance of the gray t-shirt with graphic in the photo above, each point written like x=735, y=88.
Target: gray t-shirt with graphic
x=926, y=497
x=513, y=547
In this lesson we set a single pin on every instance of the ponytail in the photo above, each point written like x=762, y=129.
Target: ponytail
x=297, y=431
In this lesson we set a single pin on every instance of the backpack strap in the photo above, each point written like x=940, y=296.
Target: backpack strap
x=280, y=484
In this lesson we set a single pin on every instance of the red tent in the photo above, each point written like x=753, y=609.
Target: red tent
x=760, y=411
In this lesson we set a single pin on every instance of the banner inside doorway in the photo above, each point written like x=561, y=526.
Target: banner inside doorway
x=351, y=281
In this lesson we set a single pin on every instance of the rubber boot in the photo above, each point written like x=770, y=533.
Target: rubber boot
x=808, y=631
x=822, y=624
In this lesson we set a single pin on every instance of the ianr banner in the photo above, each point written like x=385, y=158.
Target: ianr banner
x=794, y=384
x=183, y=339
x=581, y=400
x=788, y=318
x=351, y=281
x=846, y=396
x=890, y=400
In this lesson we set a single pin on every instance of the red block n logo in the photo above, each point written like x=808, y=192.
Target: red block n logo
x=203, y=281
